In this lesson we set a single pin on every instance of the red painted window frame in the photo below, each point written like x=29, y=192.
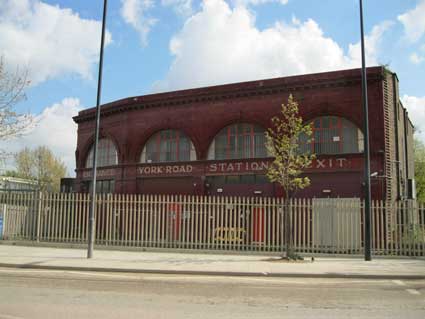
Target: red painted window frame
x=175, y=136
x=339, y=128
x=232, y=153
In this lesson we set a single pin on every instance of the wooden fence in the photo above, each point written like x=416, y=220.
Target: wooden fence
x=215, y=223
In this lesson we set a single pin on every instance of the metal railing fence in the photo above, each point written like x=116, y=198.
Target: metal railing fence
x=214, y=223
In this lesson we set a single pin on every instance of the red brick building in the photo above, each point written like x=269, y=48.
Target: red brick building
x=210, y=141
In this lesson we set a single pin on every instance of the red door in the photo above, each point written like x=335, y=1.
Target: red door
x=174, y=217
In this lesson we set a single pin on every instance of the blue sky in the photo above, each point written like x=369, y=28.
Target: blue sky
x=174, y=44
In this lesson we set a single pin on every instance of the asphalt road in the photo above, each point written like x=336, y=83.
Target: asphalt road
x=66, y=294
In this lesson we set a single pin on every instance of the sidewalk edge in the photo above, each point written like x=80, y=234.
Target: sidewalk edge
x=216, y=273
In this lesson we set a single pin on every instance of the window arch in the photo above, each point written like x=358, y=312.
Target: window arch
x=333, y=135
x=239, y=140
x=168, y=146
x=107, y=154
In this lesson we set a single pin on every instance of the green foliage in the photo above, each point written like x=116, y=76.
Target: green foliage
x=415, y=234
x=419, y=155
x=41, y=165
x=282, y=143
x=11, y=174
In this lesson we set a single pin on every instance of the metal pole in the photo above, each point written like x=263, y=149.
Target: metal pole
x=93, y=189
x=367, y=221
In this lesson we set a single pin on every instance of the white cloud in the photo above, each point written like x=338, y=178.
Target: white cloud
x=258, y=2
x=134, y=13
x=55, y=129
x=372, y=41
x=416, y=59
x=220, y=44
x=414, y=22
x=416, y=108
x=182, y=7
x=49, y=40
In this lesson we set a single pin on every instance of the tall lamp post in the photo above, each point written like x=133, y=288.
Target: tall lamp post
x=367, y=221
x=96, y=139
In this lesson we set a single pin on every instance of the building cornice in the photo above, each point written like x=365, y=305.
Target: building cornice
x=292, y=84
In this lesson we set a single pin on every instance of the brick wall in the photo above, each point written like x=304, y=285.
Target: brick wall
x=202, y=113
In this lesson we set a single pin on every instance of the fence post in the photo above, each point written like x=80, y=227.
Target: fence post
x=40, y=198
x=3, y=233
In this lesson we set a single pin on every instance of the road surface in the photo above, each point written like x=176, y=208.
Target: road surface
x=66, y=294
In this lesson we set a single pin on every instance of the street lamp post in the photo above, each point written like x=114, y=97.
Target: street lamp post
x=96, y=139
x=367, y=221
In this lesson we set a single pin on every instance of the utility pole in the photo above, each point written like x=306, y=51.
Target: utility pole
x=367, y=221
x=96, y=139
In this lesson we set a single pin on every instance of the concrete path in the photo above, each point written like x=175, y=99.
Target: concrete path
x=208, y=264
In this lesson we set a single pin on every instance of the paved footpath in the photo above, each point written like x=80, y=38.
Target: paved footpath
x=208, y=264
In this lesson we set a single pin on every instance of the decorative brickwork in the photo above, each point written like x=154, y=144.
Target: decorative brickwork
x=200, y=114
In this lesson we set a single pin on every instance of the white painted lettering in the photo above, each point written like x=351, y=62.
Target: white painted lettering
x=255, y=166
x=320, y=163
x=341, y=162
x=264, y=166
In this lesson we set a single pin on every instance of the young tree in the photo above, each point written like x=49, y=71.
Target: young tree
x=419, y=149
x=41, y=165
x=12, y=91
x=283, y=144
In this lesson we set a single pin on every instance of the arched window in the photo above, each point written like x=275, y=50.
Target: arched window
x=168, y=146
x=333, y=135
x=240, y=140
x=107, y=154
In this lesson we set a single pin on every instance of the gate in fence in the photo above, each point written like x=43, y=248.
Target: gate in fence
x=338, y=221
x=218, y=223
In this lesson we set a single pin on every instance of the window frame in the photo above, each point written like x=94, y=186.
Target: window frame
x=112, y=154
x=340, y=125
x=168, y=136
x=103, y=186
x=236, y=134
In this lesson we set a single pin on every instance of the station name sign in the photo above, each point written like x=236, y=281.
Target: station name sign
x=329, y=163
x=223, y=167
x=165, y=169
x=237, y=167
x=260, y=166
x=230, y=167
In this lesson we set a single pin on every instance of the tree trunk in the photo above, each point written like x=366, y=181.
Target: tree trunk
x=286, y=229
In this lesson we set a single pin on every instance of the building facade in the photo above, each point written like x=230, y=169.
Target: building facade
x=210, y=141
